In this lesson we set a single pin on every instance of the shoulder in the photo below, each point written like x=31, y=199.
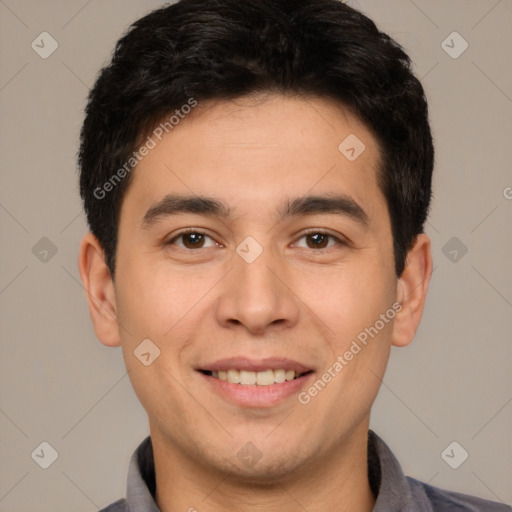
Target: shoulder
x=118, y=506
x=450, y=501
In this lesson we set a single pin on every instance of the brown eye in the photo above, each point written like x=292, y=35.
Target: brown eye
x=320, y=240
x=191, y=240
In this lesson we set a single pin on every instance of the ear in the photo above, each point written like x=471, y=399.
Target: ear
x=99, y=288
x=412, y=288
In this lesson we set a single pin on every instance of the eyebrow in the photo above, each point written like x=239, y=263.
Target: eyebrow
x=332, y=204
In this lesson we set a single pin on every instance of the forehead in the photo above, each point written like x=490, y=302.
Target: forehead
x=256, y=150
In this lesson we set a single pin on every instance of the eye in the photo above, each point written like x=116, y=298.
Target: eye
x=192, y=239
x=195, y=239
x=320, y=240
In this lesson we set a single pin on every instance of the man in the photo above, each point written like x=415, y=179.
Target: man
x=256, y=176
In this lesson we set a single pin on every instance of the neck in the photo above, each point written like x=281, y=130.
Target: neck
x=338, y=481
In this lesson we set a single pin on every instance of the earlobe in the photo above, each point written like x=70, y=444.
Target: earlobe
x=412, y=288
x=99, y=289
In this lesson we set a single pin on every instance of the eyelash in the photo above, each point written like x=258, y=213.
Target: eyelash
x=310, y=232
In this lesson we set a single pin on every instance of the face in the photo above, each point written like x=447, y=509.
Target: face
x=285, y=264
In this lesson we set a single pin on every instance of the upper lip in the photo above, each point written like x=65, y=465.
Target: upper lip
x=255, y=365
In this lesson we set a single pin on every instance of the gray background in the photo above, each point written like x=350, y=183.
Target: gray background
x=60, y=385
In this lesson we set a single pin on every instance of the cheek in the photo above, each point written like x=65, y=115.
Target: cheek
x=348, y=301
x=162, y=392
x=351, y=304
x=153, y=301
x=360, y=312
x=167, y=308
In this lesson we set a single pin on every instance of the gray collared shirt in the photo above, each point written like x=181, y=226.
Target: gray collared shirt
x=393, y=490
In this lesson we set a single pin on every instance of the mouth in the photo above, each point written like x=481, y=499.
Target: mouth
x=251, y=378
x=255, y=383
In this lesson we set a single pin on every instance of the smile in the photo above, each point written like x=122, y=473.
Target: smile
x=251, y=378
x=255, y=383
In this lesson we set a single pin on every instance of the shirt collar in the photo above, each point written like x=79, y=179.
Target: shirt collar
x=393, y=490
x=387, y=479
x=140, y=487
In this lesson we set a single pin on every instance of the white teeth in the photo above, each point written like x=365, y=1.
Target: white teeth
x=279, y=376
x=247, y=378
x=289, y=375
x=265, y=378
x=234, y=376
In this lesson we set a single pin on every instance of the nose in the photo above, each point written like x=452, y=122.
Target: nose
x=258, y=296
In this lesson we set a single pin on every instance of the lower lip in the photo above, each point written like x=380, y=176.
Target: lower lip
x=256, y=396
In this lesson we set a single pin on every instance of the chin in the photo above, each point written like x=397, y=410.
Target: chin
x=264, y=474
x=250, y=466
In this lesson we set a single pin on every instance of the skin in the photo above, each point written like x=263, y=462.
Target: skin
x=295, y=300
